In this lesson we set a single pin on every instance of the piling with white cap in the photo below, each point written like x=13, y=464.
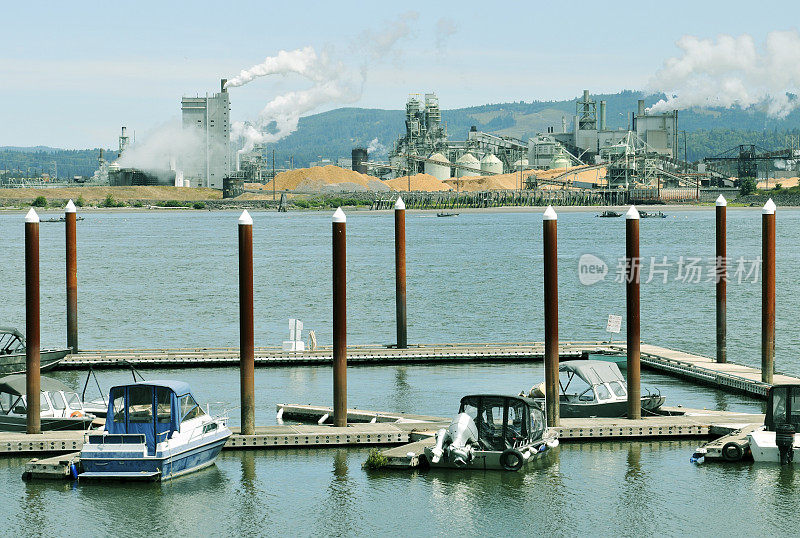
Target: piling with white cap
x=339, y=249
x=722, y=278
x=551, y=358
x=246, y=329
x=632, y=274
x=400, y=271
x=768, y=292
x=71, y=237
x=32, y=323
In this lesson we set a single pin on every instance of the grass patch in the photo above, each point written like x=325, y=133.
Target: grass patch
x=375, y=460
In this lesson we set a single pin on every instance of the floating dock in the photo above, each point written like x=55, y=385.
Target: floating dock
x=727, y=376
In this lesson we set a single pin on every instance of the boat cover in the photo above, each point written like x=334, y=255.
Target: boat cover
x=593, y=372
x=15, y=384
x=155, y=428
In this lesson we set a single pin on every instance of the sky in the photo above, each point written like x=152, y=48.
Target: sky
x=72, y=73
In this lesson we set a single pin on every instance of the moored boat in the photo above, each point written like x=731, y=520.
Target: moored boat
x=155, y=430
x=610, y=214
x=493, y=432
x=12, y=353
x=59, y=405
x=778, y=440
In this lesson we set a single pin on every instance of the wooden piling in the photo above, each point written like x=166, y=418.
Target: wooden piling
x=632, y=274
x=246, y=330
x=768, y=292
x=70, y=218
x=400, y=271
x=722, y=278
x=32, y=323
x=339, y=319
x=550, y=245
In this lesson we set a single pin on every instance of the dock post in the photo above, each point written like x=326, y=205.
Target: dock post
x=70, y=219
x=768, y=292
x=246, y=336
x=339, y=319
x=400, y=271
x=550, y=242
x=32, y=327
x=632, y=271
x=722, y=279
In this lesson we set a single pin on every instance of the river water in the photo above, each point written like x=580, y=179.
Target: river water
x=169, y=279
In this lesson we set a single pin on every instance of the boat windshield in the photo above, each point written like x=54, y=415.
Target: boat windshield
x=502, y=422
x=73, y=401
x=784, y=406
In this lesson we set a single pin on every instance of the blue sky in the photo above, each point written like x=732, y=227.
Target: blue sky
x=71, y=73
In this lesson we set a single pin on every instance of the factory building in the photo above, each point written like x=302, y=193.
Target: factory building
x=210, y=116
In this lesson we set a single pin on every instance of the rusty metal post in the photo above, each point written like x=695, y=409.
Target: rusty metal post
x=722, y=279
x=400, y=271
x=632, y=273
x=32, y=326
x=768, y=292
x=246, y=336
x=339, y=319
x=70, y=218
x=550, y=242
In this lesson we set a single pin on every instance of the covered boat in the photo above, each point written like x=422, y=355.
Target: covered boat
x=155, y=430
x=12, y=353
x=493, y=432
x=592, y=388
x=60, y=406
x=778, y=439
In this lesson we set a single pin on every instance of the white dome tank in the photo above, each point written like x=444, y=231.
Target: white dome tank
x=521, y=164
x=438, y=166
x=559, y=160
x=468, y=159
x=490, y=164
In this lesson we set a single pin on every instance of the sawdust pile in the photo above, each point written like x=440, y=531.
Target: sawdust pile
x=419, y=182
x=317, y=177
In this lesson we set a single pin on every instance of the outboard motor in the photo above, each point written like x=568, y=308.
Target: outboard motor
x=784, y=439
x=456, y=440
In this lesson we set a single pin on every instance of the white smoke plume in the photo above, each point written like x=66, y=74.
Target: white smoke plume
x=166, y=147
x=333, y=81
x=376, y=148
x=732, y=71
x=445, y=27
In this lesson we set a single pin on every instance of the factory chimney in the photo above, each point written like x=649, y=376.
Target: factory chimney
x=602, y=115
x=563, y=124
x=641, y=107
x=585, y=96
x=222, y=84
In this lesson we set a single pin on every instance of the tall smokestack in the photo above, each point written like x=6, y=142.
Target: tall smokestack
x=602, y=115
x=222, y=84
x=585, y=96
x=123, y=130
x=641, y=107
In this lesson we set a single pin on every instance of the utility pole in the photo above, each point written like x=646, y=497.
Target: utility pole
x=273, y=174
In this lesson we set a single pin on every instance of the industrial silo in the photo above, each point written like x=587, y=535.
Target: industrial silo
x=473, y=166
x=491, y=165
x=559, y=161
x=438, y=166
x=359, y=162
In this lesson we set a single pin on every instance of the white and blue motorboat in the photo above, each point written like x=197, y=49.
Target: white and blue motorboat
x=155, y=430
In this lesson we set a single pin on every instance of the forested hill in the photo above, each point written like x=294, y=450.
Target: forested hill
x=34, y=161
x=709, y=132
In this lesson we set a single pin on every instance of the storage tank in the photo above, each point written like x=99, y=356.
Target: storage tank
x=490, y=164
x=438, y=166
x=520, y=164
x=359, y=161
x=559, y=160
x=468, y=159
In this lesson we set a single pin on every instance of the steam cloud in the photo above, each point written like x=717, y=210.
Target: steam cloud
x=376, y=148
x=445, y=27
x=332, y=82
x=732, y=71
x=163, y=146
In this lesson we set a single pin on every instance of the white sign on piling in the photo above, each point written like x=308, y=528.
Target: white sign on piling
x=295, y=342
x=614, y=325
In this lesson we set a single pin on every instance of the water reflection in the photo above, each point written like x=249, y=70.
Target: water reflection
x=338, y=514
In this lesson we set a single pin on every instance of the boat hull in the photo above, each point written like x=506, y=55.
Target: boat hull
x=162, y=466
x=616, y=409
x=15, y=364
x=17, y=423
x=764, y=448
x=489, y=460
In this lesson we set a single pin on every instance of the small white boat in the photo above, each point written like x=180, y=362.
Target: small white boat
x=778, y=439
x=155, y=430
x=493, y=432
x=59, y=406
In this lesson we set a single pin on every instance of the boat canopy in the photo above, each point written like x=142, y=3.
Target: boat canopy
x=503, y=421
x=593, y=372
x=15, y=384
x=783, y=407
x=154, y=409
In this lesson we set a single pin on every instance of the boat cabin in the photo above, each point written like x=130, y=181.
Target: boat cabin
x=56, y=399
x=591, y=381
x=504, y=421
x=783, y=407
x=153, y=409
